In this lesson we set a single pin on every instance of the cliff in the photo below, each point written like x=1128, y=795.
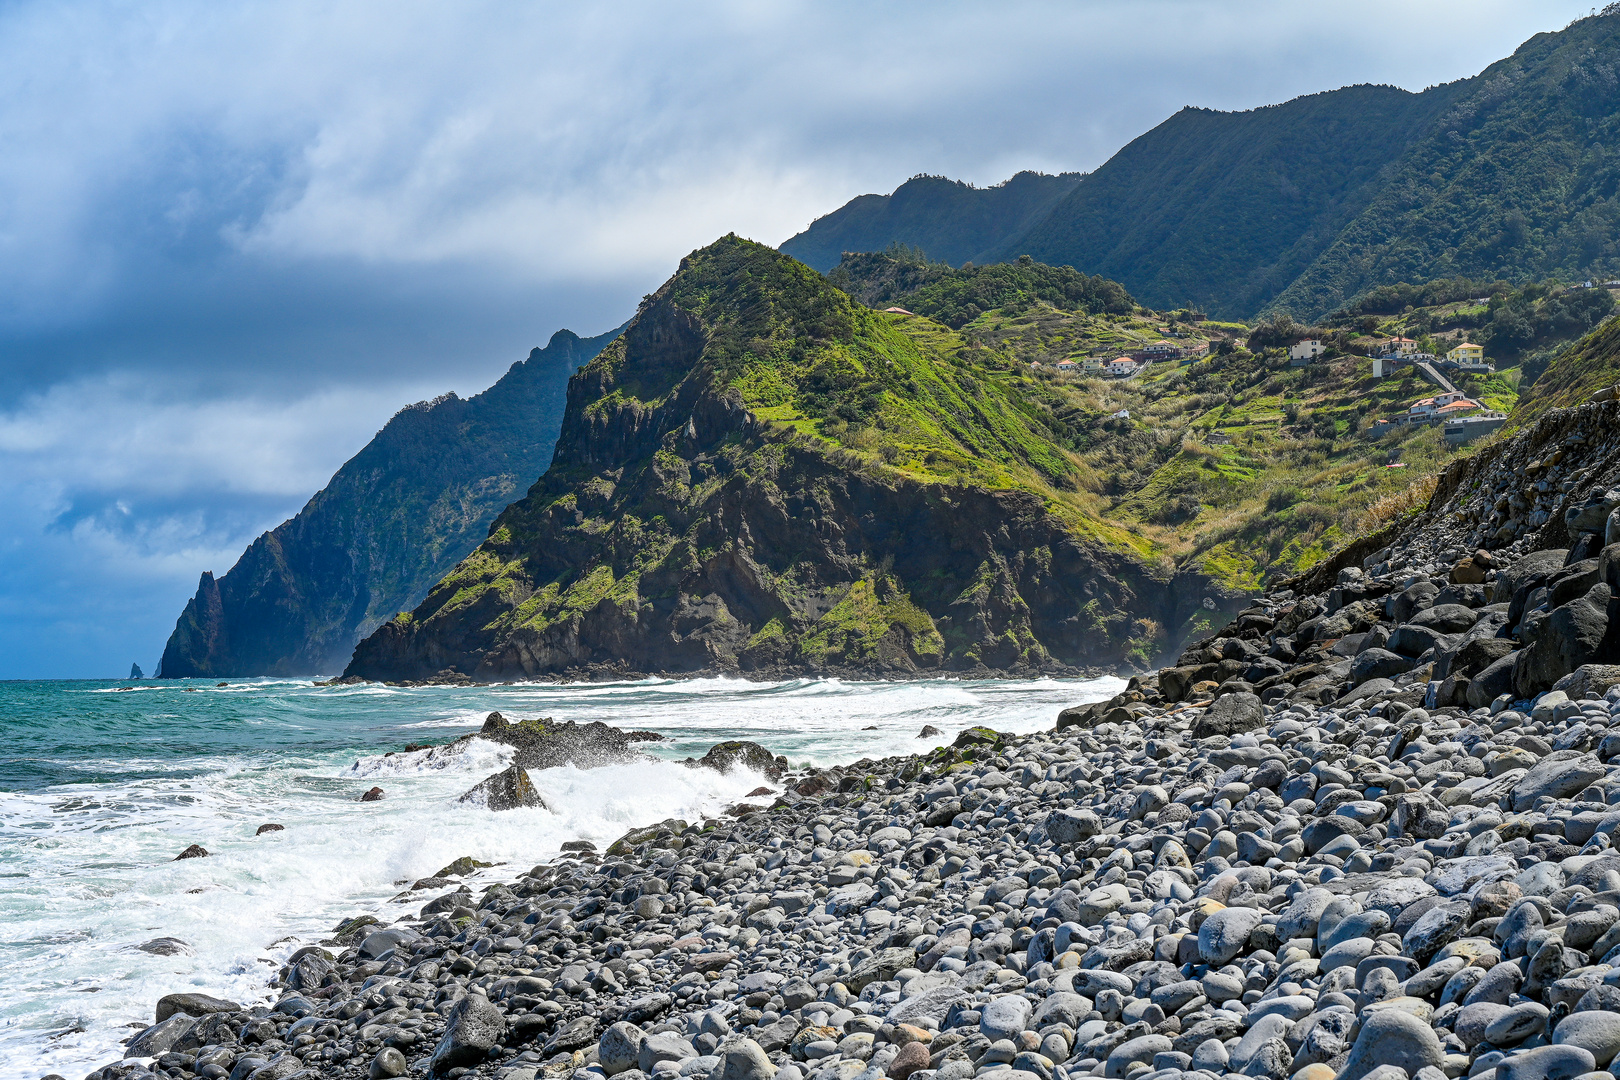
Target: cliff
x=764, y=476
x=392, y=521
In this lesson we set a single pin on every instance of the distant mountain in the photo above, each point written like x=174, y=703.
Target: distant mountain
x=950, y=220
x=1518, y=177
x=1222, y=211
x=392, y=521
x=1512, y=174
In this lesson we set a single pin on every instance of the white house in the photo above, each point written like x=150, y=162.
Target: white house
x=1122, y=367
x=1309, y=349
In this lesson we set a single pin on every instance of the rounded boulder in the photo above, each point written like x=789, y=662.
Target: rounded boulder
x=1225, y=934
x=1393, y=1038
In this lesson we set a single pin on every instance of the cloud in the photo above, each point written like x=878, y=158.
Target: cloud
x=234, y=238
x=119, y=494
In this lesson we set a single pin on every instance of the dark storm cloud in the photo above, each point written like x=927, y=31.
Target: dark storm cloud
x=234, y=239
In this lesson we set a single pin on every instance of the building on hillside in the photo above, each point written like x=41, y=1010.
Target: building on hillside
x=1093, y=365
x=1397, y=346
x=1456, y=408
x=1123, y=414
x=1469, y=358
x=1305, y=351
x=1122, y=367
x=1422, y=409
x=1159, y=350
x=1465, y=428
x=1068, y=367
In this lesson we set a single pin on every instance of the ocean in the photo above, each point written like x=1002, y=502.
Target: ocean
x=102, y=784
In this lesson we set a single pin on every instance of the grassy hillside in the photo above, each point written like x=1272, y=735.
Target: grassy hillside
x=1590, y=364
x=1237, y=465
x=948, y=219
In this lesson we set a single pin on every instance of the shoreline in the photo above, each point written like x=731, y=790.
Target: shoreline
x=1061, y=904
x=1331, y=843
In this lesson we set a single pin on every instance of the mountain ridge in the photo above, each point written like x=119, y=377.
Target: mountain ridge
x=415, y=499
x=951, y=220
x=1302, y=205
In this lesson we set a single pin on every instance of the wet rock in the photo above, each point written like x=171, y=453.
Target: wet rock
x=388, y=1062
x=268, y=827
x=195, y=851
x=161, y=1037
x=1230, y=715
x=508, y=789
x=193, y=1004
x=726, y=756
x=473, y=1028
x=372, y=795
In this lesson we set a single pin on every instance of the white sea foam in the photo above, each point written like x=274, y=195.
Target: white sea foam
x=87, y=871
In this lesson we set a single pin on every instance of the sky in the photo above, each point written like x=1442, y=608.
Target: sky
x=236, y=238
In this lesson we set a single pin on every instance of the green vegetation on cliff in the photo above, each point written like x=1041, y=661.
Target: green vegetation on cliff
x=1233, y=463
x=1516, y=178
x=1574, y=374
x=764, y=475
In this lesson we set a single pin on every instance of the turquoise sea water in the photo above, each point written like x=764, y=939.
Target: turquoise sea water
x=101, y=786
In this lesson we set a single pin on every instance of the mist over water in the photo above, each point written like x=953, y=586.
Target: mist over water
x=101, y=787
